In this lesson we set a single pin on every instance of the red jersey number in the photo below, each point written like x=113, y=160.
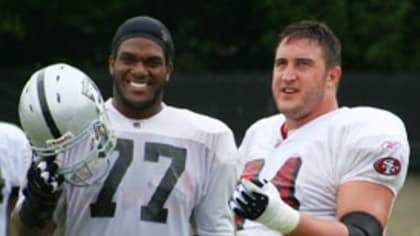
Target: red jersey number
x=284, y=179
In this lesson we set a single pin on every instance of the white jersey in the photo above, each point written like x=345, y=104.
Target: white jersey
x=15, y=156
x=308, y=165
x=171, y=174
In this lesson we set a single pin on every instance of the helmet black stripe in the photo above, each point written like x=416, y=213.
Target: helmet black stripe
x=44, y=106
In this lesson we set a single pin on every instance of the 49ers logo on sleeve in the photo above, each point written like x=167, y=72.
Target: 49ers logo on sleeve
x=388, y=166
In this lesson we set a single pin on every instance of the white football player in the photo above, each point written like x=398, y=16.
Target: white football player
x=172, y=171
x=15, y=156
x=317, y=169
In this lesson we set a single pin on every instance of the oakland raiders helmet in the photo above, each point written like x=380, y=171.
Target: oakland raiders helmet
x=62, y=112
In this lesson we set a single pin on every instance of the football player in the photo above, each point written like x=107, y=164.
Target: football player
x=15, y=156
x=172, y=171
x=317, y=168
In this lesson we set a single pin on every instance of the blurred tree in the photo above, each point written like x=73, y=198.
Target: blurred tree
x=209, y=35
x=377, y=34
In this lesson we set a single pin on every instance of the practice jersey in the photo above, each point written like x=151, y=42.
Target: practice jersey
x=307, y=165
x=15, y=154
x=171, y=174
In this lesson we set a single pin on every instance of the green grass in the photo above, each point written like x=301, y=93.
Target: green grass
x=405, y=217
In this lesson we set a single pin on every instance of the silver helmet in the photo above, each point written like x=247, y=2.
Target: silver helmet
x=62, y=112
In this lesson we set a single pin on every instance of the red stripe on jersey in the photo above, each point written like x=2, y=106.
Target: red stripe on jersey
x=253, y=168
x=283, y=130
x=285, y=181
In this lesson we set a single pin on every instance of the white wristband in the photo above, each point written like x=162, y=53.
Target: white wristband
x=280, y=217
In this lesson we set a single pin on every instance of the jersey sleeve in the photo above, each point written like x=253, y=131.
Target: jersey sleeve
x=17, y=158
x=379, y=153
x=19, y=155
x=212, y=215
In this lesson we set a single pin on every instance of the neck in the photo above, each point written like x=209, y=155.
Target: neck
x=292, y=124
x=137, y=113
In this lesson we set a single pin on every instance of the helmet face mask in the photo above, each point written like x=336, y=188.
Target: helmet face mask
x=83, y=160
x=62, y=112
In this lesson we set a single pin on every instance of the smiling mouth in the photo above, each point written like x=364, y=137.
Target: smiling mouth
x=289, y=90
x=138, y=84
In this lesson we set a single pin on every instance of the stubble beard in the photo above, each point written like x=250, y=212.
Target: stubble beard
x=306, y=107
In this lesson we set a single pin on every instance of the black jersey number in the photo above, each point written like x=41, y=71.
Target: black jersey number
x=1, y=187
x=104, y=206
x=154, y=210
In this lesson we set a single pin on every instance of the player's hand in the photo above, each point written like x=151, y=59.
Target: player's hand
x=44, y=181
x=248, y=204
x=42, y=191
x=259, y=200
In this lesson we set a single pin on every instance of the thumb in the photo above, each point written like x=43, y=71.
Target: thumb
x=253, y=185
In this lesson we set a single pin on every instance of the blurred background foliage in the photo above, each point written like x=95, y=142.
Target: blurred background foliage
x=377, y=35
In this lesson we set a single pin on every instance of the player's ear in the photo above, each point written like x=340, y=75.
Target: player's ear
x=334, y=75
x=169, y=70
x=111, y=63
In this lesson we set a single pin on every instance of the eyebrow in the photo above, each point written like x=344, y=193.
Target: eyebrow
x=299, y=59
x=306, y=60
x=134, y=55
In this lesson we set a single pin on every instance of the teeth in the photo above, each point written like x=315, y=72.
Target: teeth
x=289, y=90
x=138, y=85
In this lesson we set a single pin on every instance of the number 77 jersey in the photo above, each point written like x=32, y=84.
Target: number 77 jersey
x=171, y=174
x=308, y=164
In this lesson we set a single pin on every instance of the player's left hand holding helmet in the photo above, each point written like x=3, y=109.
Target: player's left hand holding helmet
x=259, y=200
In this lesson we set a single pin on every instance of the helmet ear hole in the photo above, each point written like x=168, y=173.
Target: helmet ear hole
x=61, y=110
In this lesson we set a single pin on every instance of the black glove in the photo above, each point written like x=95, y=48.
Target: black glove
x=259, y=200
x=249, y=205
x=42, y=192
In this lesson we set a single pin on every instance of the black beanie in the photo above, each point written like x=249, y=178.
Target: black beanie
x=144, y=27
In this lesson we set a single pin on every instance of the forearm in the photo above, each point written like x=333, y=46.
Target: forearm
x=311, y=226
x=33, y=215
x=24, y=230
x=259, y=200
x=12, y=202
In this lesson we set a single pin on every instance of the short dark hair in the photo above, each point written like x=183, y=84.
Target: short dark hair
x=144, y=27
x=319, y=32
